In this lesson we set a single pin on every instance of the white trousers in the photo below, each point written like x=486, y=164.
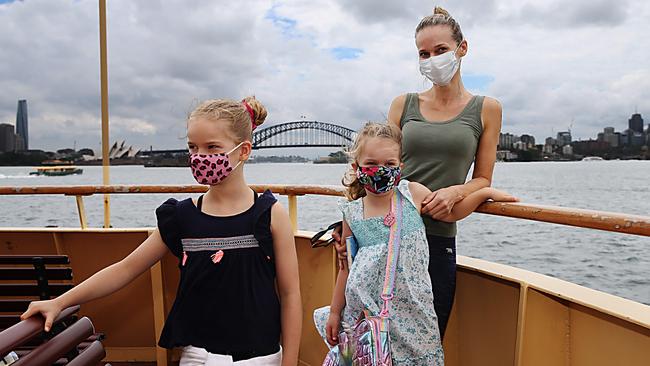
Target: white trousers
x=194, y=356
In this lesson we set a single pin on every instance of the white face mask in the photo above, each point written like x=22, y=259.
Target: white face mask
x=442, y=68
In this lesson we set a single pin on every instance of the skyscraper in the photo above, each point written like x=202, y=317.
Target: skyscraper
x=7, y=137
x=21, y=123
x=636, y=123
x=564, y=138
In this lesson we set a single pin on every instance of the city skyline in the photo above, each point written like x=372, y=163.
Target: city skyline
x=328, y=60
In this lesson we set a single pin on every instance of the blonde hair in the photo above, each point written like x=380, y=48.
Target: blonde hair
x=441, y=16
x=234, y=113
x=355, y=189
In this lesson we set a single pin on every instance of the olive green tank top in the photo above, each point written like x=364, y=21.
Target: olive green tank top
x=439, y=154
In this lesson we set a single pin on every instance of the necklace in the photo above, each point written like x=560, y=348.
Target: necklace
x=389, y=219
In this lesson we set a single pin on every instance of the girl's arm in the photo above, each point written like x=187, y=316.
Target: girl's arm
x=465, y=207
x=286, y=267
x=440, y=203
x=104, y=282
x=338, y=297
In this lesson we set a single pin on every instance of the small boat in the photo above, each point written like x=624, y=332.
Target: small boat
x=592, y=158
x=57, y=170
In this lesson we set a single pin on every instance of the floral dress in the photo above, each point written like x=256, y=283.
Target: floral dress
x=415, y=339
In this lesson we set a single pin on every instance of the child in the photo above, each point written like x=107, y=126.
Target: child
x=231, y=245
x=372, y=182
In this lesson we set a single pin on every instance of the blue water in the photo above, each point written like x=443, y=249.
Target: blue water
x=611, y=262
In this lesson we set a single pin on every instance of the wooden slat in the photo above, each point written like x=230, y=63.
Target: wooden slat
x=29, y=259
x=14, y=305
x=7, y=321
x=26, y=289
x=25, y=273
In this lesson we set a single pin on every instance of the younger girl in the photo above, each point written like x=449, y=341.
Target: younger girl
x=372, y=182
x=233, y=247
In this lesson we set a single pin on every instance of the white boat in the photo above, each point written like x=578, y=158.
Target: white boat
x=592, y=158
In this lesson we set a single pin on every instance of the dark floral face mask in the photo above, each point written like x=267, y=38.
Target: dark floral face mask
x=379, y=178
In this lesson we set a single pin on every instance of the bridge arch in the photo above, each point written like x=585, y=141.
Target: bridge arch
x=303, y=134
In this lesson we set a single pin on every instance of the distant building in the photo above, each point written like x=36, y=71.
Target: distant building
x=547, y=149
x=520, y=145
x=624, y=138
x=636, y=139
x=528, y=141
x=636, y=123
x=610, y=136
x=567, y=150
x=551, y=141
x=21, y=125
x=119, y=151
x=507, y=140
x=564, y=138
x=7, y=137
x=590, y=147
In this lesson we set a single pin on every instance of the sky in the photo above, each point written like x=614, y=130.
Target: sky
x=553, y=65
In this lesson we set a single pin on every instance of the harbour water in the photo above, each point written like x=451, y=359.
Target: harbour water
x=610, y=262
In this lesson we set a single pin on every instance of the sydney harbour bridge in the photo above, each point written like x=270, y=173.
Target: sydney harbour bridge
x=303, y=134
x=284, y=135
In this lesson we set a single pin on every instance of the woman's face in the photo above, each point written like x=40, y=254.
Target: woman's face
x=436, y=40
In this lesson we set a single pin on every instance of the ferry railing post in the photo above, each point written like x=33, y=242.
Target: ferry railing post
x=81, y=210
x=293, y=211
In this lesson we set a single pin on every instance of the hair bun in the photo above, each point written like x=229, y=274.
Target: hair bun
x=259, y=112
x=439, y=10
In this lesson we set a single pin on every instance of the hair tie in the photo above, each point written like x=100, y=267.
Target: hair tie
x=250, y=113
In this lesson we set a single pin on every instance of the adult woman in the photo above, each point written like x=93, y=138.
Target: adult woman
x=445, y=129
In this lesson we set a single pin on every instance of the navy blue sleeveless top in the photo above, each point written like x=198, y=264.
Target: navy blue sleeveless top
x=226, y=300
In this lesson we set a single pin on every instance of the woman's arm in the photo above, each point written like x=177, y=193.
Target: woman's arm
x=338, y=297
x=465, y=207
x=396, y=110
x=286, y=266
x=104, y=282
x=440, y=203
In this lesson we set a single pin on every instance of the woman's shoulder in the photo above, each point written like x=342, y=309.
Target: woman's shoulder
x=491, y=111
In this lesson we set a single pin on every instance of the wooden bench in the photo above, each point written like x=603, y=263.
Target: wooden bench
x=57, y=350
x=27, y=278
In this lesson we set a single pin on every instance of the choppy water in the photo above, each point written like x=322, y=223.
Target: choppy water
x=614, y=263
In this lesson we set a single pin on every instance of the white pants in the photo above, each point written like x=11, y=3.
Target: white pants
x=194, y=356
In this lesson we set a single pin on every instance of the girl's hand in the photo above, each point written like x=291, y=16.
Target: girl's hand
x=439, y=204
x=333, y=328
x=49, y=309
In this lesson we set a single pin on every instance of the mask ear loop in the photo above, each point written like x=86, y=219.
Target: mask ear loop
x=231, y=151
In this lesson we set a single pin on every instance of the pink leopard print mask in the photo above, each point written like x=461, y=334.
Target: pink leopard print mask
x=212, y=169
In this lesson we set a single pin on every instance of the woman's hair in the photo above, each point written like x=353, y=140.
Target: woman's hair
x=355, y=189
x=235, y=113
x=440, y=16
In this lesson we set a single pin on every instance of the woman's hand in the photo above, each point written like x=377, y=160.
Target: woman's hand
x=49, y=309
x=439, y=204
x=333, y=328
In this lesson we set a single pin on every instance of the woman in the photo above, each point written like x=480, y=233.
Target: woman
x=445, y=129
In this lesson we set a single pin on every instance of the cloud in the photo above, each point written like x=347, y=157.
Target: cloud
x=550, y=64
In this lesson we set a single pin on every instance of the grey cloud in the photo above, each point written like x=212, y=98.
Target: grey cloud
x=575, y=13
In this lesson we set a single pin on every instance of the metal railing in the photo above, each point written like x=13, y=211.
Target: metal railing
x=599, y=220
